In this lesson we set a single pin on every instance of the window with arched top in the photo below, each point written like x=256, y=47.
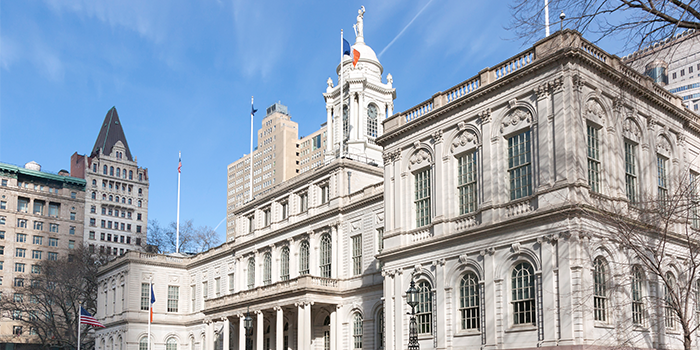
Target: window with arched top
x=171, y=344
x=469, y=301
x=372, y=116
x=94, y=182
x=637, y=295
x=143, y=343
x=424, y=309
x=251, y=273
x=346, y=123
x=267, y=269
x=111, y=171
x=523, y=294
x=111, y=198
x=304, y=258
x=669, y=301
x=284, y=264
x=131, y=174
x=326, y=254
x=119, y=172
x=327, y=333
x=380, y=329
x=600, y=289
x=357, y=331
x=94, y=195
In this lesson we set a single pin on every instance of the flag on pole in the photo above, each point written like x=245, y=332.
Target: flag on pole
x=86, y=318
x=346, y=48
x=153, y=300
x=355, y=57
x=179, y=165
x=252, y=109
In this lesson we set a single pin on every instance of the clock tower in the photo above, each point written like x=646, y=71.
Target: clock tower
x=355, y=119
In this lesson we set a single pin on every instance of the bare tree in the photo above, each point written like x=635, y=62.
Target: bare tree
x=48, y=305
x=660, y=235
x=637, y=22
x=192, y=239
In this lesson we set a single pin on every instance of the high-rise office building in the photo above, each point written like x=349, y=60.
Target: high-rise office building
x=116, y=203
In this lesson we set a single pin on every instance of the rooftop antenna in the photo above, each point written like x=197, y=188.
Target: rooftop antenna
x=561, y=23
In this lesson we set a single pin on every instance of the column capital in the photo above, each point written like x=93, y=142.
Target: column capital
x=277, y=308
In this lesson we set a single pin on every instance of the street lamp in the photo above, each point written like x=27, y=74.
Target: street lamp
x=412, y=300
x=248, y=325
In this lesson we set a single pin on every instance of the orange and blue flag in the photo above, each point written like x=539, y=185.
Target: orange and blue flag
x=153, y=300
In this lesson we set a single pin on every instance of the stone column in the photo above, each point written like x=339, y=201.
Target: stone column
x=307, y=326
x=329, y=129
x=300, y=326
x=241, y=332
x=334, y=334
x=334, y=251
x=388, y=309
x=227, y=334
x=209, y=344
x=259, y=330
x=279, y=329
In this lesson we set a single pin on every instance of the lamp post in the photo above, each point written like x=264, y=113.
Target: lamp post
x=248, y=325
x=412, y=301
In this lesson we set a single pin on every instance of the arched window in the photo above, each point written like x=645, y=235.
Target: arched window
x=140, y=191
x=116, y=199
x=119, y=172
x=267, y=269
x=669, y=313
x=326, y=253
x=422, y=197
x=372, y=112
x=94, y=195
x=357, y=331
x=94, y=182
x=380, y=329
x=111, y=170
x=123, y=199
x=304, y=258
x=120, y=343
x=469, y=301
x=346, y=123
x=143, y=343
x=284, y=264
x=139, y=204
x=131, y=174
x=523, y=287
x=251, y=273
x=424, y=309
x=104, y=197
x=327, y=333
x=111, y=198
x=129, y=201
x=171, y=344
x=637, y=295
x=466, y=176
x=600, y=296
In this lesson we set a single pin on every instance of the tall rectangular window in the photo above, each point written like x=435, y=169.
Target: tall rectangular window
x=695, y=195
x=380, y=239
x=631, y=171
x=173, y=297
x=520, y=165
x=231, y=283
x=268, y=216
x=285, y=210
x=324, y=194
x=205, y=290
x=22, y=204
x=38, y=207
x=145, y=296
x=466, y=182
x=593, y=158
x=661, y=164
x=53, y=209
x=193, y=297
x=217, y=286
x=304, y=201
x=422, y=197
x=357, y=255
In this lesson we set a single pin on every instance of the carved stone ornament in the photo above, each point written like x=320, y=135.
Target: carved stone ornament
x=578, y=82
x=630, y=130
x=380, y=217
x=489, y=251
x=663, y=145
x=512, y=103
x=594, y=111
x=541, y=91
x=556, y=84
x=417, y=268
x=420, y=156
x=437, y=136
x=515, y=117
x=485, y=116
x=354, y=226
x=463, y=259
x=680, y=139
x=392, y=156
x=618, y=103
x=515, y=247
x=464, y=138
x=651, y=122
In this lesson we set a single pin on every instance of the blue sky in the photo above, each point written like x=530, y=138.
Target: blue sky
x=181, y=74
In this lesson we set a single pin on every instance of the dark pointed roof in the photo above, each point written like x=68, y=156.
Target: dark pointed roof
x=110, y=133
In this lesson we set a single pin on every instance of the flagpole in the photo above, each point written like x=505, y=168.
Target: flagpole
x=177, y=229
x=342, y=111
x=80, y=316
x=251, y=148
x=150, y=311
x=546, y=17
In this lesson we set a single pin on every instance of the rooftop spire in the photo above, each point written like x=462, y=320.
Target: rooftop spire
x=110, y=133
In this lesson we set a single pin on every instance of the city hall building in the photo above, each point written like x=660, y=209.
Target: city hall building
x=470, y=199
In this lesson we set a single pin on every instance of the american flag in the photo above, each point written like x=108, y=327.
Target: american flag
x=86, y=318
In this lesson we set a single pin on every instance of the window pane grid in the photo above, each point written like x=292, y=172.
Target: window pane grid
x=593, y=159
x=267, y=269
x=357, y=255
x=284, y=268
x=251, y=273
x=173, y=297
x=469, y=301
x=145, y=296
x=630, y=172
x=523, y=287
x=467, y=183
x=357, y=331
x=637, y=302
x=424, y=309
x=520, y=166
x=304, y=258
x=422, y=198
x=326, y=253
x=600, y=290
x=662, y=180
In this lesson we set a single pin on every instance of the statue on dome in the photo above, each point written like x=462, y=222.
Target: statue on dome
x=359, y=26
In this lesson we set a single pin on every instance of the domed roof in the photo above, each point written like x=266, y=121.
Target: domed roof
x=366, y=52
